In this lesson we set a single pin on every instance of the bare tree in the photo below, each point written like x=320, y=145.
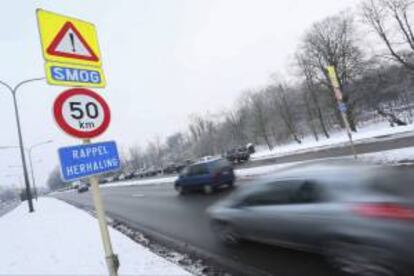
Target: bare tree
x=282, y=106
x=332, y=41
x=155, y=152
x=390, y=21
x=311, y=87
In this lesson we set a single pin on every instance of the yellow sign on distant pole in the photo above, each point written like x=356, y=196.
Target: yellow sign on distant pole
x=72, y=43
x=332, y=76
x=341, y=105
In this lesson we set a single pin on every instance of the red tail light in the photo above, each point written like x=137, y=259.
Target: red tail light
x=385, y=210
x=217, y=175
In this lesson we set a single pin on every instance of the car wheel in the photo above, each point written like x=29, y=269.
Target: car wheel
x=180, y=190
x=361, y=260
x=208, y=189
x=226, y=233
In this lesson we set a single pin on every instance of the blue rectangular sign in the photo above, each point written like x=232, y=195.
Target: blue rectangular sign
x=81, y=161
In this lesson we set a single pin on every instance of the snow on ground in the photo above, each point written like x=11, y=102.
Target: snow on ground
x=136, y=182
x=60, y=239
x=364, y=134
x=390, y=157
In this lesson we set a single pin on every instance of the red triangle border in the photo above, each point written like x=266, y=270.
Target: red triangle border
x=51, y=50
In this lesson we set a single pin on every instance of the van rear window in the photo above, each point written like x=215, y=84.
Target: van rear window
x=220, y=165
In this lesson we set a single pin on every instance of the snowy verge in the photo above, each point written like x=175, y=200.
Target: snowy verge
x=160, y=180
x=61, y=239
x=366, y=134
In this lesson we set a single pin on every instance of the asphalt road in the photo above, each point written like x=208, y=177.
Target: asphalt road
x=158, y=209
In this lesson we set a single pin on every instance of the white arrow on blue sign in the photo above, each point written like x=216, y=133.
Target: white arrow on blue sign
x=77, y=162
x=342, y=107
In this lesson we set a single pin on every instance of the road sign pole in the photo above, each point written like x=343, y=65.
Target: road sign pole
x=341, y=105
x=111, y=259
x=348, y=131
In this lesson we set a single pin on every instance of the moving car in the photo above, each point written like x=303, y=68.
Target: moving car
x=83, y=187
x=361, y=219
x=206, y=176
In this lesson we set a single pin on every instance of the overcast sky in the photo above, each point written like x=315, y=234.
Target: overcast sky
x=163, y=61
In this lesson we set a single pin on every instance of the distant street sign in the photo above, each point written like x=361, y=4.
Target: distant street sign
x=68, y=40
x=74, y=75
x=342, y=107
x=81, y=113
x=77, y=162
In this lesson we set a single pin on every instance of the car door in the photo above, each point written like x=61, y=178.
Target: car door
x=198, y=176
x=307, y=214
x=263, y=212
x=294, y=220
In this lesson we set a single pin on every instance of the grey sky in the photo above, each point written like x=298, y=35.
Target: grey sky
x=163, y=61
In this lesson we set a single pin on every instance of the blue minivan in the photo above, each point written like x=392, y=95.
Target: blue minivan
x=206, y=176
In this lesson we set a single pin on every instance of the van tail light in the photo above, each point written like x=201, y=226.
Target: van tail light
x=217, y=175
x=385, y=210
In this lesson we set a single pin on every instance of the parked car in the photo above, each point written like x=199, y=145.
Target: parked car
x=183, y=164
x=361, y=219
x=237, y=155
x=83, y=187
x=250, y=147
x=75, y=184
x=206, y=176
x=170, y=168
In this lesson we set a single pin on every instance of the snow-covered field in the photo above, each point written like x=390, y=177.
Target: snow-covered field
x=365, y=134
x=59, y=239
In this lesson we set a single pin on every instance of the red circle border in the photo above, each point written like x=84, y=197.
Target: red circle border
x=58, y=113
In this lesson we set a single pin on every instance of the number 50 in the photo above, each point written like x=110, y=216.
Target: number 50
x=78, y=110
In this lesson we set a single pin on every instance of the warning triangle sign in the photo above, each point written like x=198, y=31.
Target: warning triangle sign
x=69, y=43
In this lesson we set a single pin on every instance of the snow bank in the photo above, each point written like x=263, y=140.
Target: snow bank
x=61, y=239
x=160, y=180
x=366, y=134
x=388, y=157
x=391, y=157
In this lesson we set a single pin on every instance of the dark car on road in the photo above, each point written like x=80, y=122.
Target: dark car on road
x=206, y=176
x=83, y=187
x=361, y=219
x=237, y=155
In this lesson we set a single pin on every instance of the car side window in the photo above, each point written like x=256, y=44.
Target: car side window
x=198, y=170
x=307, y=192
x=185, y=171
x=273, y=194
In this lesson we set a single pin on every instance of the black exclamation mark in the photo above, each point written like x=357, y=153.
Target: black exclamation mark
x=72, y=40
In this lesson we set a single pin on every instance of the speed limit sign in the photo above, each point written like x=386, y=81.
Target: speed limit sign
x=81, y=113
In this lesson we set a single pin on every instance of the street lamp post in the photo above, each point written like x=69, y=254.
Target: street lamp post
x=29, y=152
x=13, y=92
x=31, y=163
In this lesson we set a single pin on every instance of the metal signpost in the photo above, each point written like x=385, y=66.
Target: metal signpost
x=341, y=105
x=72, y=58
x=84, y=114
